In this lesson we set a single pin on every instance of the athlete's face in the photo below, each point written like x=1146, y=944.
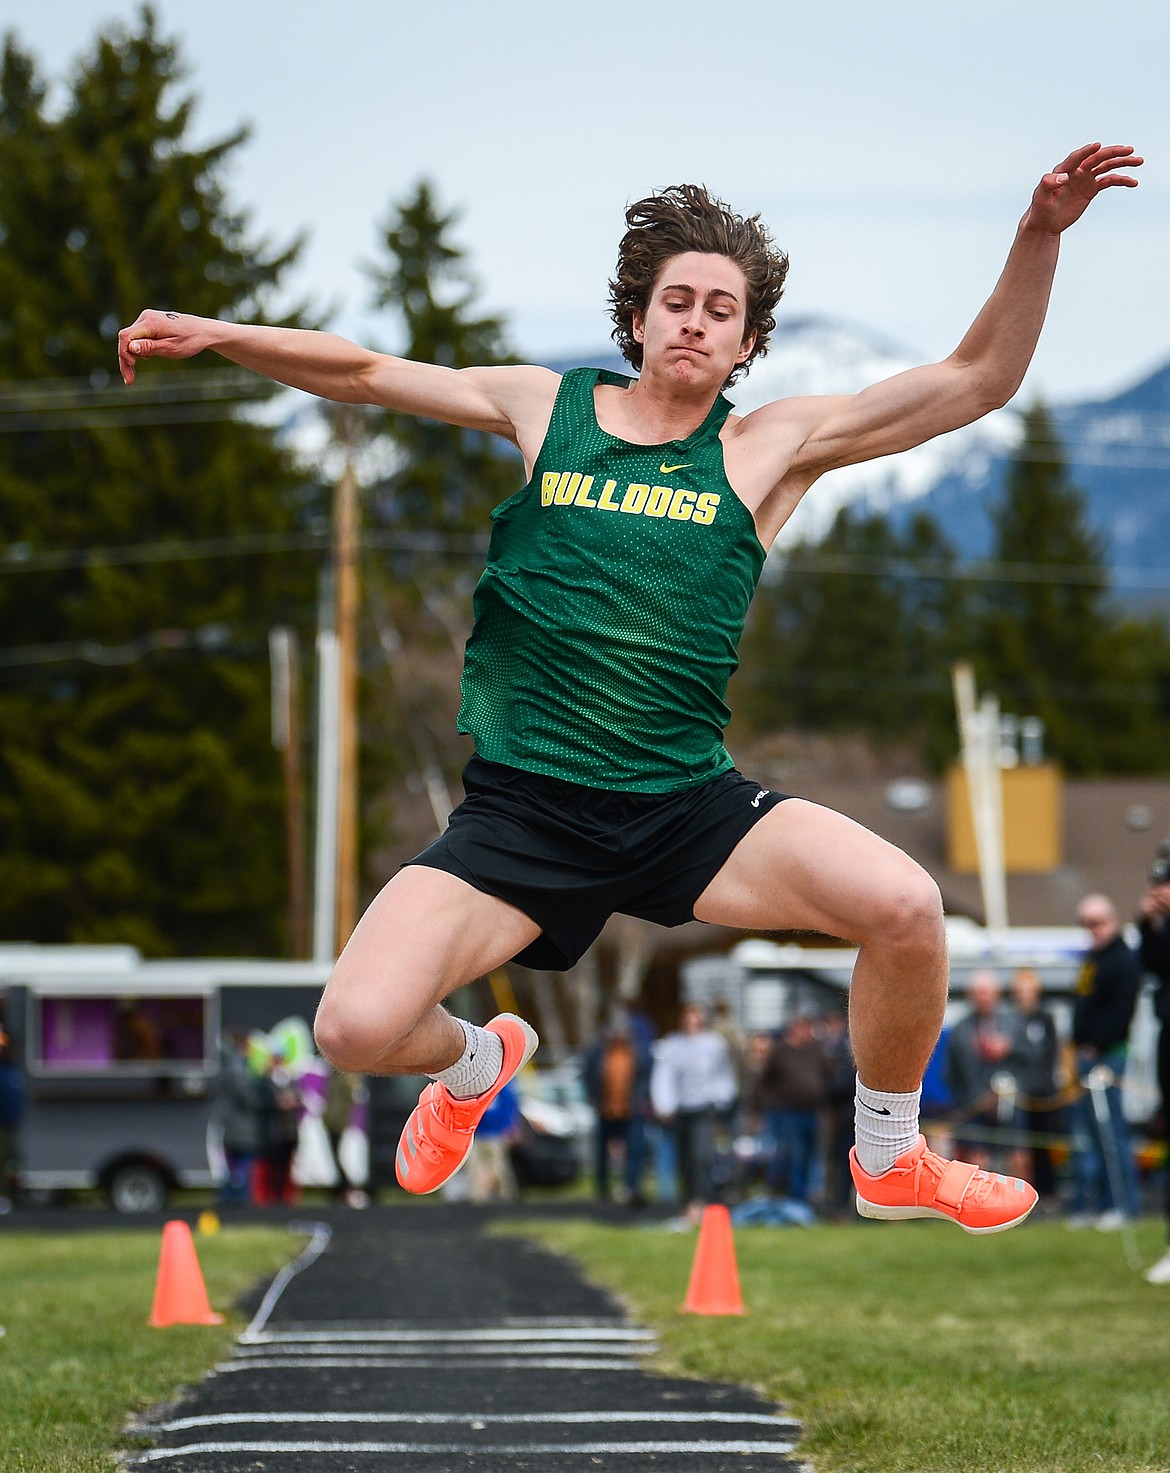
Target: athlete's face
x=693, y=327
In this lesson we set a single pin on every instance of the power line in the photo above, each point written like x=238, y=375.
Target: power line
x=1144, y=693
x=101, y=389
x=101, y=401
x=943, y=571
x=220, y=639
x=20, y=558
x=128, y=416
x=106, y=388
x=209, y=639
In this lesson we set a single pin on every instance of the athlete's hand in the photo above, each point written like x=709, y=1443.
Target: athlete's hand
x=161, y=335
x=1063, y=196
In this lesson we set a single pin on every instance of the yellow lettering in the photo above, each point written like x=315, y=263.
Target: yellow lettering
x=635, y=498
x=659, y=501
x=567, y=488
x=583, y=497
x=682, y=504
x=563, y=488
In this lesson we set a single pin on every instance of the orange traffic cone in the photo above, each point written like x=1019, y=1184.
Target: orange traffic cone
x=714, y=1285
x=180, y=1296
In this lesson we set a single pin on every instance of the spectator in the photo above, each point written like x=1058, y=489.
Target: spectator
x=490, y=1162
x=978, y=1050
x=237, y=1107
x=617, y=1080
x=11, y=1112
x=838, y=1117
x=737, y=1043
x=1107, y=989
x=789, y=1093
x=938, y=1103
x=136, y=1034
x=280, y=1123
x=1033, y=1064
x=339, y=1101
x=691, y=1081
x=1154, y=951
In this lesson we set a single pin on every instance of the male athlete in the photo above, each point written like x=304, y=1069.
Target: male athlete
x=606, y=625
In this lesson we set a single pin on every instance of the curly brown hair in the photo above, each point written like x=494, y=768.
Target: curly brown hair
x=687, y=217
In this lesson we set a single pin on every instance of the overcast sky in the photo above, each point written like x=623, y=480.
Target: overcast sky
x=891, y=148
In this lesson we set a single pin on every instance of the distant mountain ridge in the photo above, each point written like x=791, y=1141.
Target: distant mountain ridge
x=1118, y=450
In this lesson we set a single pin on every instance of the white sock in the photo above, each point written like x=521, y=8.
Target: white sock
x=886, y=1125
x=478, y=1066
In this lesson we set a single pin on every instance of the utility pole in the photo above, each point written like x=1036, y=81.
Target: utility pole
x=346, y=624
x=325, y=828
x=979, y=736
x=286, y=738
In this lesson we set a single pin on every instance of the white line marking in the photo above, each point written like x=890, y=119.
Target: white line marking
x=311, y=1252
x=484, y=1419
x=565, y=1347
x=469, y=1326
x=456, y=1449
x=324, y=1362
x=558, y=1332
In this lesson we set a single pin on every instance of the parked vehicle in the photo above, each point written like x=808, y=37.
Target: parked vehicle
x=120, y=1058
x=121, y=1055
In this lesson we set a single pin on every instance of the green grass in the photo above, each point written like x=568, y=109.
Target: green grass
x=913, y=1348
x=78, y=1356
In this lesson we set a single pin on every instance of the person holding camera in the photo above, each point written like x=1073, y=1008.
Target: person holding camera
x=1107, y=987
x=1153, y=923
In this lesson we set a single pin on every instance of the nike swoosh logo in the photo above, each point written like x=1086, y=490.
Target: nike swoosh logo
x=666, y=470
x=871, y=1109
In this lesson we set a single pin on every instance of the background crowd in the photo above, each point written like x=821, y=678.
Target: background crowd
x=259, y=1109
x=1020, y=1083
x=765, y=1120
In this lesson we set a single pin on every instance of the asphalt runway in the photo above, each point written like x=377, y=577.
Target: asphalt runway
x=410, y=1341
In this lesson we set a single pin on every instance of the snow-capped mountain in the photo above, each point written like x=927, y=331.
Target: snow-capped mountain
x=820, y=356
x=1118, y=451
x=817, y=355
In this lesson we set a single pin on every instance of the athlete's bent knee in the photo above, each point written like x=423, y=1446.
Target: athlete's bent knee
x=350, y=1040
x=911, y=910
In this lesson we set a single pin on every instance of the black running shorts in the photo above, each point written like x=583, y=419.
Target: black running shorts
x=569, y=856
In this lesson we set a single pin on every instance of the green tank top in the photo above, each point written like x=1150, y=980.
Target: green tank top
x=609, y=613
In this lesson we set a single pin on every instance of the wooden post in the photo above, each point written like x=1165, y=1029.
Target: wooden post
x=346, y=584
x=979, y=740
x=286, y=737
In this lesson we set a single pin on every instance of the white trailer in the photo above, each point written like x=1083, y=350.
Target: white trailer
x=120, y=1057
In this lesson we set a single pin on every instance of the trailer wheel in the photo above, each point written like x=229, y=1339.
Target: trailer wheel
x=137, y=1187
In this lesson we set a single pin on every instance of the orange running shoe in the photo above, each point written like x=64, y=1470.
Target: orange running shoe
x=437, y=1137
x=923, y=1184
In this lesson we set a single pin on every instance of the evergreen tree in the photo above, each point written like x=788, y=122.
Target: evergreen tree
x=854, y=634
x=1049, y=641
x=446, y=478
x=139, y=801
x=443, y=482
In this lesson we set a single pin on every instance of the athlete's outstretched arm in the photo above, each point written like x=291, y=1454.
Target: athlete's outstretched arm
x=500, y=400
x=988, y=366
